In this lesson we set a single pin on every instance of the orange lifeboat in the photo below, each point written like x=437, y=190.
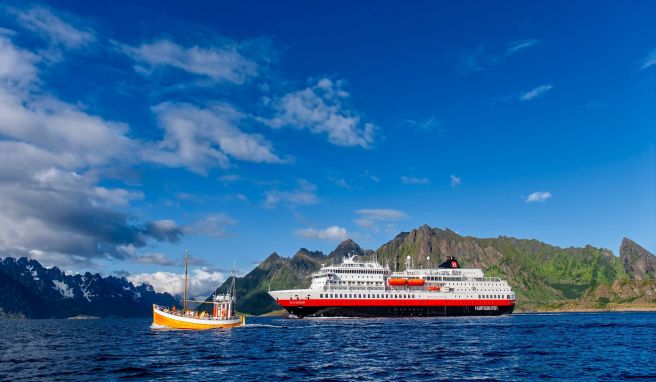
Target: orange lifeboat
x=416, y=282
x=396, y=281
x=433, y=288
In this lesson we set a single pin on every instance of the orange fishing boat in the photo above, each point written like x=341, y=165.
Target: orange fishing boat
x=222, y=315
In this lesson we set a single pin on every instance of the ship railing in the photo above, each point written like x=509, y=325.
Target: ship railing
x=355, y=288
x=487, y=279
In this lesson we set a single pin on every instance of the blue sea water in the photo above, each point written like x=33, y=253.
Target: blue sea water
x=593, y=346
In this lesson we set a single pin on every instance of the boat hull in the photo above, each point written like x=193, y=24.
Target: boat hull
x=171, y=321
x=398, y=311
x=395, y=307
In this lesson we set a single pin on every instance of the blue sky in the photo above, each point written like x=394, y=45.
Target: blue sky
x=129, y=133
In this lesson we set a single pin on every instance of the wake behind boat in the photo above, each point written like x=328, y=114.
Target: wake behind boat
x=222, y=316
x=367, y=289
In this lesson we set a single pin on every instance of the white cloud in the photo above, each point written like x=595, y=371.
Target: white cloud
x=51, y=205
x=428, y=125
x=479, y=58
x=334, y=233
x=156, y=259
x=516, y=46
x=203, y=138
x=323, y=108
x=219, y=63
x=341, y=182
x=213, y=225
x=369, y=218
x=229, y=178
x=414, y=180
x=371, y=176
x=304, y=194
x=455, y=180
x=57, y=28
x=382, y=214
x=649, y=60
x=17, y=68
x=534, y=93
x=539, y=196
x=201, y=282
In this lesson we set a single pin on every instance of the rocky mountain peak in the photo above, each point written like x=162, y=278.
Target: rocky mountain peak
x=637, y=262
x=346, y=248
x=304, y=252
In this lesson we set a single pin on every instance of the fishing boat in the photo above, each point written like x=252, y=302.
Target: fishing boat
x=222, y=314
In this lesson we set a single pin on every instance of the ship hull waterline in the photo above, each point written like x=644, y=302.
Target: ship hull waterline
x=396, y=311
x=163, y=319
x=400, y=308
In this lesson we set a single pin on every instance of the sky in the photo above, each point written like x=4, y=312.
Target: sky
x=129, y=133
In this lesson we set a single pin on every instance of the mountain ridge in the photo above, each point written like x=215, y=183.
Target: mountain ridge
x=544, y=276
x=29, y=290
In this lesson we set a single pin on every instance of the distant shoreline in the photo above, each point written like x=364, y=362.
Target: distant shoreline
x=593, y=310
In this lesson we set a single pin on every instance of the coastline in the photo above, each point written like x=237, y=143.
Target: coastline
x=588, y=309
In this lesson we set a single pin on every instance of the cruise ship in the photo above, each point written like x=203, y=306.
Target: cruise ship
x=368, y=289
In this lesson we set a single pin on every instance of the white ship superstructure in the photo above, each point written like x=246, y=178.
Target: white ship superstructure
x=355, y=288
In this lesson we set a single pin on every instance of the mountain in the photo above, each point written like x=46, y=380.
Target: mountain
x=284, y=273
x=544, y=277
x=637, y=261
x=27, y=289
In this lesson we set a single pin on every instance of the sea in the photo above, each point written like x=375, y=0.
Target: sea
x=517, y=347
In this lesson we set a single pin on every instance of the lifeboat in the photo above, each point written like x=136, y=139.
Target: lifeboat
x=396, y=281
x=433, y=288
x=416, y=282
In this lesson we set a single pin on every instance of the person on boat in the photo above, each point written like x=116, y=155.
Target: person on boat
x=173, y=310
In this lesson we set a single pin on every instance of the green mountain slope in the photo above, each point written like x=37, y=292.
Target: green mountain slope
x=539, y=273
x=276, y=272
x=544, y=277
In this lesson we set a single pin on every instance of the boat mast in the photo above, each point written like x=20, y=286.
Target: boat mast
x=233, y=290
x=184, y=303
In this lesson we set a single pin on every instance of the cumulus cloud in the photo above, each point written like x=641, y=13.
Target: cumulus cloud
x=51, y=205
x=323, y=108
x=202, y=281
x=370, y=218
x=414, y=180
x=455, y=180
x=219, y=63
x=536, y=92
x=304, y=194
x=333, y=233
x=46, y=215
x=539, y=196
x=59, y=29
x=202, y=138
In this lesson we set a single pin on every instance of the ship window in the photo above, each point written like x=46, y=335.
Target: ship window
x=320, y=296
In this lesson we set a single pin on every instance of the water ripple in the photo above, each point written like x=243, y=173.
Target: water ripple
x=609, y=347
